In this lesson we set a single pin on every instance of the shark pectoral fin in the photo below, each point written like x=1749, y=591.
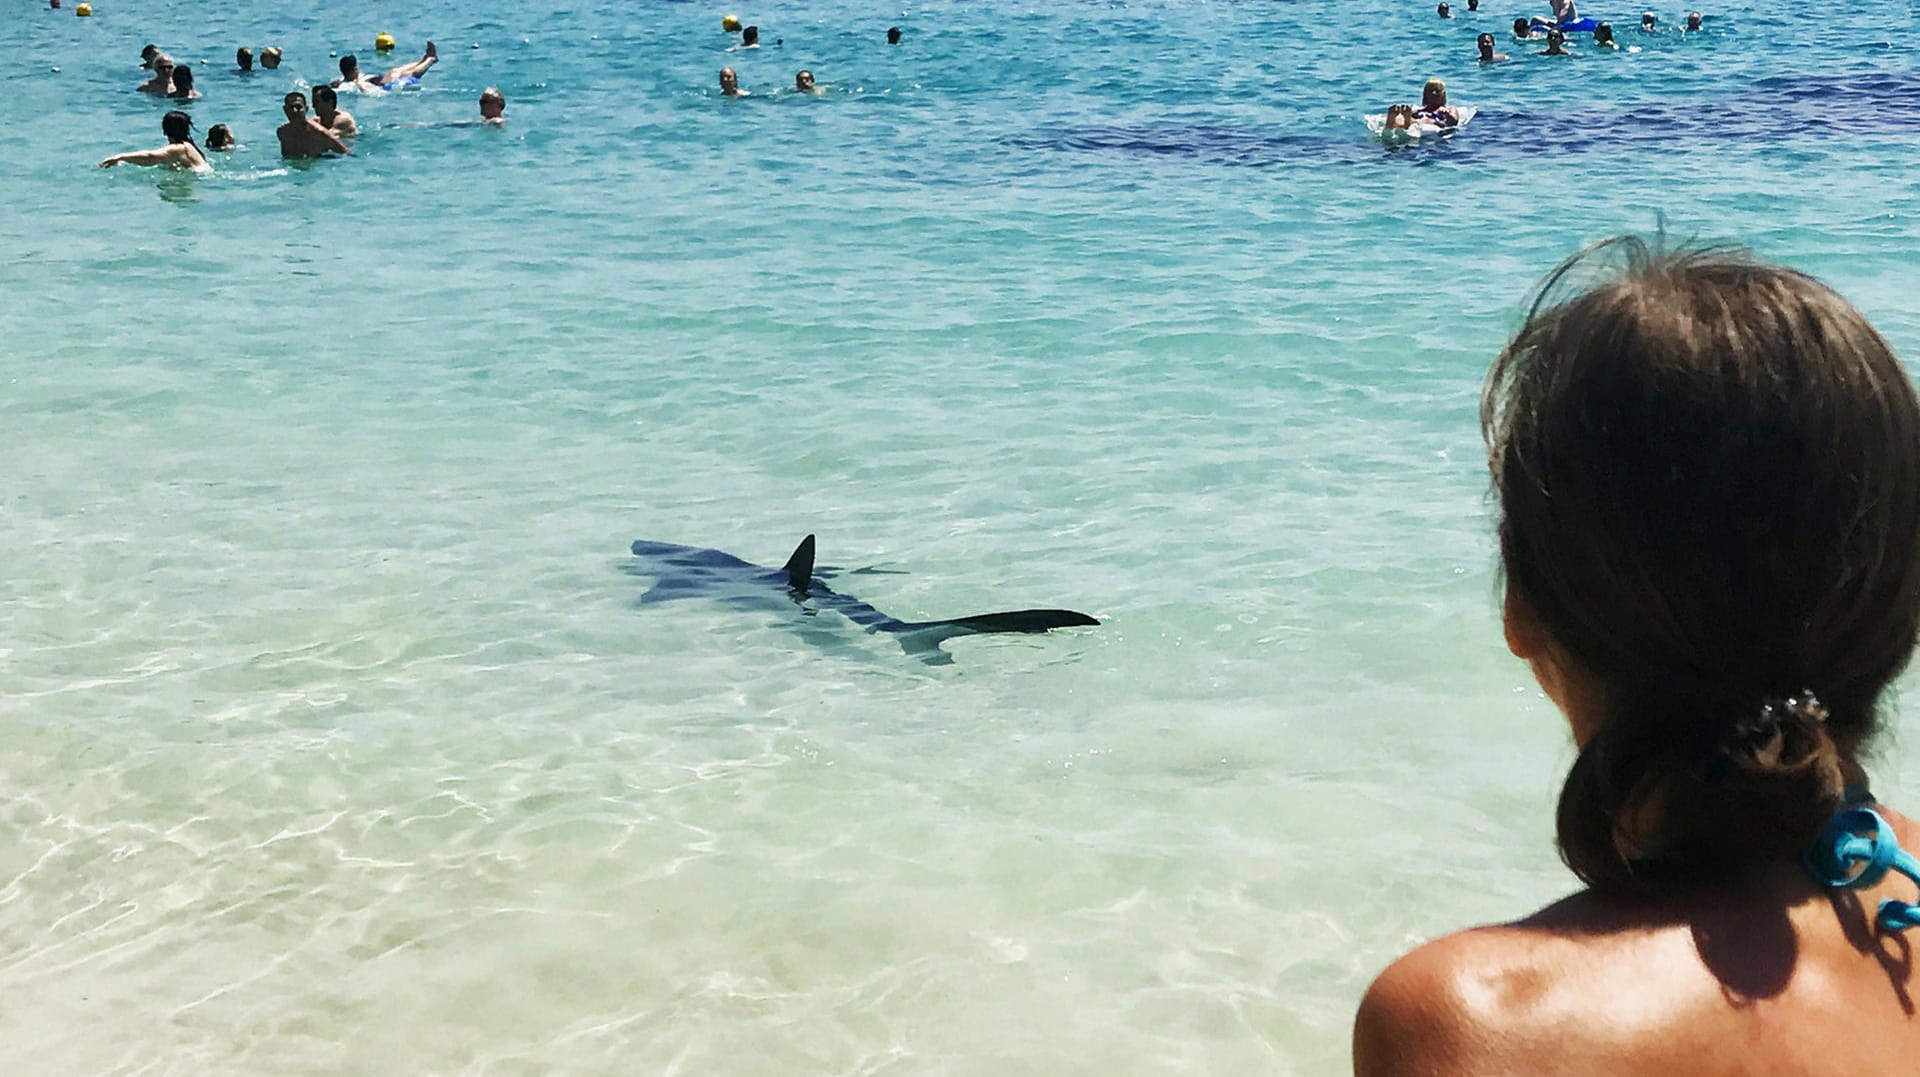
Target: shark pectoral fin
x=799, y=567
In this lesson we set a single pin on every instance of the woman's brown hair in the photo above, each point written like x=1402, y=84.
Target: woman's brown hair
x=1708, y=472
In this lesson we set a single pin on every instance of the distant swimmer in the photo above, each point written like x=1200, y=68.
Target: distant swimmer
x=270, y=57
x=1523, y=31
x=730, y=84
x=1473, y=5
x=1556, y=44
x=327, y=110
x=1693, y=20
x=493, y=106
x=750, y=38
x=243, y=59
x=179, y=152
x=1444, y=11
x=183, y=84
x=147, y=55
x=161, y=84
x=893, y=35
x=404, y=75
x=1603, y=37
x=803, y=83
x=220, y=137
x=1647, y=22
x=302, y=135
x=1433, y=106
x=1487, y=55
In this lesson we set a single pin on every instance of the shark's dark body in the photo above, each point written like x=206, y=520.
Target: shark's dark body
x=689, y=571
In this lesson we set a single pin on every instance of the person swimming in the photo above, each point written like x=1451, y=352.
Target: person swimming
x=327, y=110
x=270, y=57
x=803, y=83
x=1648, y=22
x=147, y=54
x=161, y=84
x=179, y=152
x=243, y=59
x=183, y=83
x=750, y=38
x=1556, y=44
x=1603, y=37
x=1694, y=20
x=1444, y=11
x=1524, y=30
x=730, y=84
x=1487, y=55
x=493, y=106
x=220, y=137
x=404, y=75
x=302, y=135
x=1706, y=476
x=893, y=35
x=1433, y=106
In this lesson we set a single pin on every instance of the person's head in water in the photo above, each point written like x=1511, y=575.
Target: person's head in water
x=147, y=54
x=1433, y=95
x=1693, y=20
x=219, y=137
x=295, y=106
x=1522, y=28
x=270, y=57
x=1485, y=42
x=893, y=35
x=1603, y=34
x=177, y=126
x=326, y=101
x=349, y=67
x=803, y=82
x=182, y=81
x=493, y=103
x=1648, y=21
x=1473, y=5
x=1444, y=11
x=1556, y=43
x=243, y=57
x=1708, y=475
x=729, y=82
x=749, y=37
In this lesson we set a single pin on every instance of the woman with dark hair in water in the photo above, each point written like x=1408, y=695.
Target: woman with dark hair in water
x=1708, y=481
x=179, y=152
x=183, y=84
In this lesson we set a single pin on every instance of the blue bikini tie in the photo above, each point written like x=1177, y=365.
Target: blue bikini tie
x=1855, y=851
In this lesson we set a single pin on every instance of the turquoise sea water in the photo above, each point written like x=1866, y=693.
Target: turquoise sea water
x=333, y=737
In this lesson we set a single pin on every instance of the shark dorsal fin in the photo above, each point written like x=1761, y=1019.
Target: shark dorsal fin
x=799, y=567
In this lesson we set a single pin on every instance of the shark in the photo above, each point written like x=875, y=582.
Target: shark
x=692, y=571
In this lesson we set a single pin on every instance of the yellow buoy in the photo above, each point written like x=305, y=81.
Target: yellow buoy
x=83, y=9
x=383, y=42
x=730, y=23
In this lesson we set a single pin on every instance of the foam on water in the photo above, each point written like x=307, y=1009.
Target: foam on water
x=333, y=738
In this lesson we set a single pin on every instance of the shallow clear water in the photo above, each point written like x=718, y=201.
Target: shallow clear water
x=333, y=736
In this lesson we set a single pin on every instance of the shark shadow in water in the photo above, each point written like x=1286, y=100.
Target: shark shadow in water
x=689, y=571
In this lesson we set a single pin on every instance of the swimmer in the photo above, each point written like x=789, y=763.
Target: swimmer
x=161, y=84
x=750, y=38
x=493, y=106
x=1603, y=37
x=1487, y=55
x=1693, y=20
x=404, y=75
x=1444, y=11
x=270, y=57
x=1706, y=479
x=183, y=84
x=893, y=35
x=1556, y=44
x=302, y=135
x=1648, y=22
x=1473, y=5
x=1524, y=31
x=803, y=83
x=1433, y=106
x=179, y=152
x=220, y=137
x=327, y=110
x=147, y=54
x=730, y=84
x=243, y=57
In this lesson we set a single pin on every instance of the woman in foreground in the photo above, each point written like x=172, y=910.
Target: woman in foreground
x=179, y=152
x=1709, y=481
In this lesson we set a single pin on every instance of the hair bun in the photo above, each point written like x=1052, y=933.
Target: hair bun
x=1783, y=733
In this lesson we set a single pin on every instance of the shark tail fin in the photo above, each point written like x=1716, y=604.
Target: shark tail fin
x=925, y=638
x=799, y=567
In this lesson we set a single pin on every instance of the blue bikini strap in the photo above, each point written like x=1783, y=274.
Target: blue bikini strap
x=1855, y=850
